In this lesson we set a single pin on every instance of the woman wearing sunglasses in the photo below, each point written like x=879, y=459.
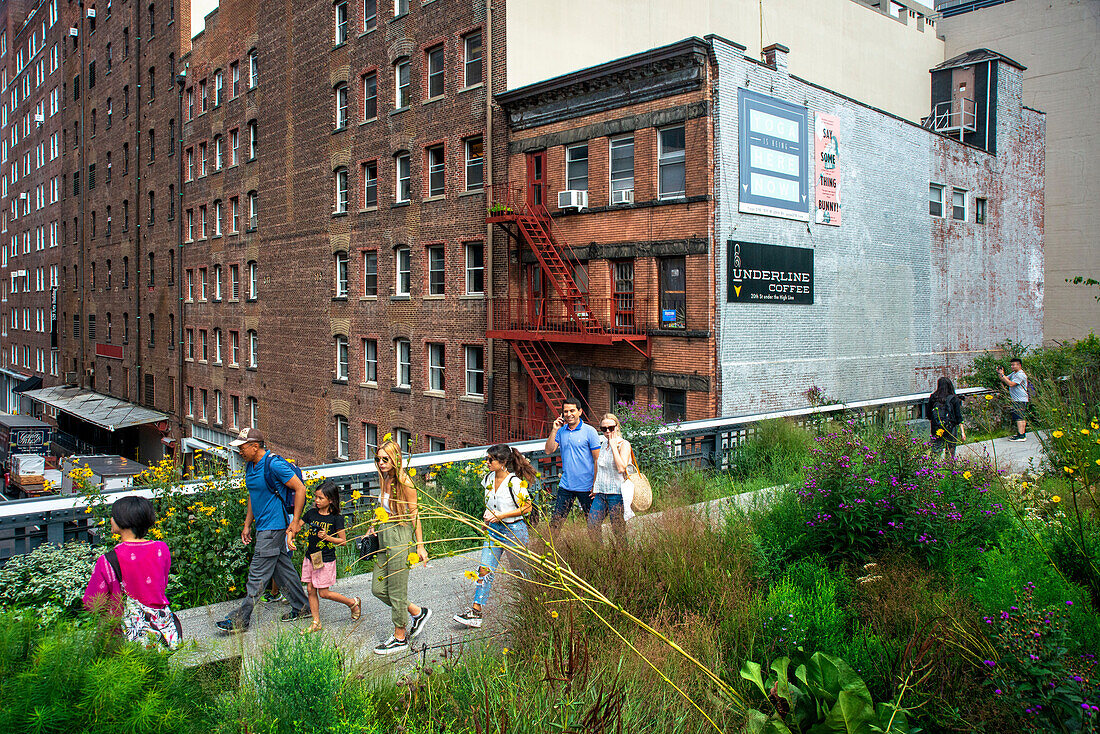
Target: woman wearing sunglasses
x=507, y=505
x=395, y=539
x=607, y=491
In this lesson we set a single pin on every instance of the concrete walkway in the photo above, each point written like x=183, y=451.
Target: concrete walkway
x=443, y=587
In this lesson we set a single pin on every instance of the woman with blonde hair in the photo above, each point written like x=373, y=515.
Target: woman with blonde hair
x=400, y=519
x=607, y=490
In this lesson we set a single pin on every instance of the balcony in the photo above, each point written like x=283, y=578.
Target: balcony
x=625, y=318
x=957, y=115
x=506, y=202
x=506, y=428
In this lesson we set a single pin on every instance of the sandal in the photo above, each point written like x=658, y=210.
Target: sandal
x=313, y=627
x=356, y=610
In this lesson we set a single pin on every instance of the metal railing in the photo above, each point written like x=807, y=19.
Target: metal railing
x=955, y=114
x=508, y=428
x=625, y=314
x=706, y=444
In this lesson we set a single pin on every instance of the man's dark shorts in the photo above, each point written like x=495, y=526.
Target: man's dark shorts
x=1019, y=410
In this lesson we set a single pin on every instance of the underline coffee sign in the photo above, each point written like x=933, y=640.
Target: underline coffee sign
x=758, y=273
x=774, y=144
x=826, y=170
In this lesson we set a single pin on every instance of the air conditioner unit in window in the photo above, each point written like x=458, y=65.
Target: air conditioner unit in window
x=22, y=195
x=573, y=199
x=624, y=196
x=39, y=117
x=70, y=378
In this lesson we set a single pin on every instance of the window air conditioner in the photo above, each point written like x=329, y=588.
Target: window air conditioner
x=573, y=199
x=39, y=117
x=623, y=196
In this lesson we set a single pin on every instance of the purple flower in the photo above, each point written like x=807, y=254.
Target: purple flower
x=997, y=691
x=990, y=663
x=1069, y=604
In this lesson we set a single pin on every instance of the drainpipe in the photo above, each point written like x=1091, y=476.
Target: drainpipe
x=181, y=82
x=83, y=203
x=137, y=194
x=491, y=381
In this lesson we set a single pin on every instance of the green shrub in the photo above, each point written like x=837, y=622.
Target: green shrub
x=779, y=533
x=777, y=449
x=80, y=676
x=48, y=582
x=806, y=609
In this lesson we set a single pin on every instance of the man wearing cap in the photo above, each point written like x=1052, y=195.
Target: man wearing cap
x=274, y=530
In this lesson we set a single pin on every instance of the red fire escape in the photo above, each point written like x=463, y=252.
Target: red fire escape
x=533, y=322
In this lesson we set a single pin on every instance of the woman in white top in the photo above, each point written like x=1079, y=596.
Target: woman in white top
x=507, y=504
x=607, y=491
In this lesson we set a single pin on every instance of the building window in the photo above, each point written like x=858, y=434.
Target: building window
x=403, y=180
x=979, y=211
x=402, y=86
x=217, y=282
x=576, y=167
x=403, y=362
x=217, y=346
x=436, y=279
x=370, y=96
x=253, y=139
x=341, y=191
x=234, y=348
x=217, y=218
x=404, y=440
x=340, y=15
x=935, y=200
x=436, y=360
x=204, y=345
x=253, y=413
x=958, y=204
x=435, y=72
x=370, y=185
x=475, y=159
x=253, y=348
x=672, y=283
x=673, y=404
x=370, y=360
x=671, y=165
x=253, y=280
x=370, y=273
x=341, y=261
x=342, y=358
x=370, y=440
x=471, y=57
x=475, y=371
x=400, y=7
x=235, y=79
x=234, y=214
x=218, y=406
x=190, y=402
x=402, y=260
x=341, y=106
x=475, y=268
x=622, y=394
x=622, y=284
x=218, y=152
x=219, y=87
x=253, y=209
x=341, y=437
x=234, y=282
x=435, y=170
x=234, y=147
x=622, y=170
x=190, y=344
x=253, y=69
x=370, y=14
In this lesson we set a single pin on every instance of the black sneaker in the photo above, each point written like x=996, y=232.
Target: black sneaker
x=294, y=614
x=273, y=596
x=419, y=621
x=1018, y=437
x=392, y=645
x=471, y=618
x=230, y=626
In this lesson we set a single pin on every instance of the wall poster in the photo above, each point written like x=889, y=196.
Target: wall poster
x=827, y=169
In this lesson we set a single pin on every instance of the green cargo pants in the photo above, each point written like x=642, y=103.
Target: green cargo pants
x=391, y=570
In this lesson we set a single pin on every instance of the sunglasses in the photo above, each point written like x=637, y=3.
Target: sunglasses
x=608, y=429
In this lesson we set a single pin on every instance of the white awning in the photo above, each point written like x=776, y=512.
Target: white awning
x=101, y=410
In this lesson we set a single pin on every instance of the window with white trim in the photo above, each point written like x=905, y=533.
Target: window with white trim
x=471, y=59
x=402, y=84
x=671, y=163
x=403, y=270
x=436, y=365
x=475, y=371
x=403, y=363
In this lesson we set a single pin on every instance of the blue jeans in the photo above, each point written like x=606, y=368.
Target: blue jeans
x=602, y=506
x=501, y=535
x=563, y=503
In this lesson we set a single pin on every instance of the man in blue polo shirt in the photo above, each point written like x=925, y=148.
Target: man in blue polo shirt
x=275, y=530
x=580, y=447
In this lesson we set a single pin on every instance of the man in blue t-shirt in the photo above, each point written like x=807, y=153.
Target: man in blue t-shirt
x=580, y=447
x=275, y=530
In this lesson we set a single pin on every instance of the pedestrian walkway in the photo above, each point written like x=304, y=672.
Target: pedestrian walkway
x=443, y=587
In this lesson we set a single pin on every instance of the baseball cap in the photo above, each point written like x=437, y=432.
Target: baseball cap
x=248, y=435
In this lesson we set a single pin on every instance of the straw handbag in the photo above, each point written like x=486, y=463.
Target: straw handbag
x=643, y=493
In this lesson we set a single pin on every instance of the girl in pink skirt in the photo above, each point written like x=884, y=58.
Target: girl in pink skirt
x=326, y=532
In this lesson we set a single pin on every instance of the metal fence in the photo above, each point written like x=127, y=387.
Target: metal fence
x=704, y=444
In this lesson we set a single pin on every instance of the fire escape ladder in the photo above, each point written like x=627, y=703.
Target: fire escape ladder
x=557, y=369
x=540, y=373
x=538, y=233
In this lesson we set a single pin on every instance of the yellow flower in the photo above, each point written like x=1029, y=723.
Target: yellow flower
x=1023, y=485
x=381, y=515
x=1057, y=434
x=387, y=437
x=1095, y=426
x=232, y=588
x=1084, y=431
x=554, y=614
x=413, y=559
x=356, y=494
x=1055, y=498
x=505, y=651
x=966, y=475
x=116, y=536
x=1069, y=469
x=412, y=471
x=1098, y=462
x=939, y=431
x=87, y=510
x=523, y=483
x=224, y=521
x=471, y=575
x=988, y=397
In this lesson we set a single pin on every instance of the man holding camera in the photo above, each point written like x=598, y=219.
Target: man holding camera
x=1017, y=393
x=580, y=447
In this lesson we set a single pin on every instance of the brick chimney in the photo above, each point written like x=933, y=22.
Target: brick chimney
x=775, y=57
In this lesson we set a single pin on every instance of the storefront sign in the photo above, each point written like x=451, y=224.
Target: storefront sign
x=774, y=157
x=827, y=169
x=759, y=273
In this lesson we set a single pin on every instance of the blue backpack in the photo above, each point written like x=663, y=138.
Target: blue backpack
x=286, y=494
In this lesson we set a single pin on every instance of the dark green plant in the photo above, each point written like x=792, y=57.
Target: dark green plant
x=777, y=449
x=48, y=582
x=823, y=695
x=806, y=609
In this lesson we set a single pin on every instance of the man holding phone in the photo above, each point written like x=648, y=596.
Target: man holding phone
x=580, y=447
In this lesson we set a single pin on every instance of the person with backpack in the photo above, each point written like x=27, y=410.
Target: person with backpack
x=129, y=581
x=276, y=497
x=507, y=508
x=944, y=411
